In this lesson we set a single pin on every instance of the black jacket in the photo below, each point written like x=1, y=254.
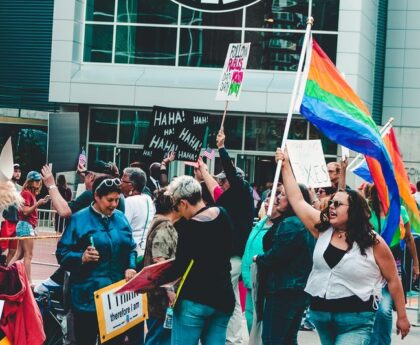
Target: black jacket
x=238, y=202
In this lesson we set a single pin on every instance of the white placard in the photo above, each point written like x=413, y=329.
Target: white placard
x=6, y=161
x=118, y=312
x=308, y=162
x=1, y=307
x=230, y=84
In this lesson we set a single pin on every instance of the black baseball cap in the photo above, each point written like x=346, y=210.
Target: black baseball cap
x=100, y=167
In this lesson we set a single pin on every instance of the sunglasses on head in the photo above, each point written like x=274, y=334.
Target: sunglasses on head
x=109, y=182
x=336, y=203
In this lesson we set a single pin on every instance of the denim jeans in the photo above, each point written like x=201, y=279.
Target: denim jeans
x=343, y=328
x=382, y=327
x=282, y=316
x=193, y=321
x=156, y=334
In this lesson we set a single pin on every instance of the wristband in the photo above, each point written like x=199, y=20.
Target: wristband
x=53, y=186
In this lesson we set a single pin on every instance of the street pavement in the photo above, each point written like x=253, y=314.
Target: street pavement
x=413, y=338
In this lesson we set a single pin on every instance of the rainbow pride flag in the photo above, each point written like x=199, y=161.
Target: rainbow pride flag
x=331, y=105
x=403, y=182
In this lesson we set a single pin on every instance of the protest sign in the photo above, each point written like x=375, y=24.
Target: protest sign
x=230, y=84
x=146, y=279
x=178, y=130
x=6, y=161
x=308, y=162
x=118, y=312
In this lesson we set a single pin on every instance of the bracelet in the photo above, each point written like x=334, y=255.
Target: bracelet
x=53, y=186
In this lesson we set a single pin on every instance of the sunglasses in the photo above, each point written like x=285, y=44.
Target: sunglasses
x=109, y=182
x=336, y=203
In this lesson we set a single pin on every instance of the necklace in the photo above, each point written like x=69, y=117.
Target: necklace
x=340, y=233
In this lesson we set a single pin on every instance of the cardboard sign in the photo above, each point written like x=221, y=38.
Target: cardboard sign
x=230, y=84
x=145, y=280
x=6, y=161
x=178, y=130
x=308, y=163
x=118, y=312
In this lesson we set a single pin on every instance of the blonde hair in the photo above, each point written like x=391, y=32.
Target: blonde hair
x=29, y=185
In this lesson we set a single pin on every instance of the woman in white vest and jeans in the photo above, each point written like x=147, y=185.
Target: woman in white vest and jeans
x=351, y=263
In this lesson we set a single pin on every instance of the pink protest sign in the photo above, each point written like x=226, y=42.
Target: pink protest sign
x=230, y=83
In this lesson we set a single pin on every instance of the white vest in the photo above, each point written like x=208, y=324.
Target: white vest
x=355, y=274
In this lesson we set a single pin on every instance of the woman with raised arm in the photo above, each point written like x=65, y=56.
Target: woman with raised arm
x=350, y=265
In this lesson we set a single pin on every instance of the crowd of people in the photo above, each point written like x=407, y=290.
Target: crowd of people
x=319, y=255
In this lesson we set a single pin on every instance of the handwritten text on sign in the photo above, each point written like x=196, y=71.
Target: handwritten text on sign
x=230, y=83
x=118, y=312
x=177, y=130
x=308, y=162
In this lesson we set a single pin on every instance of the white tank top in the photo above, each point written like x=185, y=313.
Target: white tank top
x=355, y=274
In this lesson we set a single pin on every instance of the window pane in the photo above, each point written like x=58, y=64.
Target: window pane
x=98, y=43
x=328, y=146
x=100, y=10
x=274, y=50
x=298, y=129
x=100, y=152
x=278, y=14
x=233, y=127
x=325, y=13
x=103, y=125
x=205, y=48
x=126, y=156
x=199, y=18
x=149, y=46
x=264, y=134
x=147, y=11
x=328, y=44
x=133, y=126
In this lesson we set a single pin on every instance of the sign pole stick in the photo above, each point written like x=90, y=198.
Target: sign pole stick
x=224, y=115
x=309, y=23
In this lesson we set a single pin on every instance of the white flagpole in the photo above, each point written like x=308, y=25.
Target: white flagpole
x=309, y=23
x=383, y=132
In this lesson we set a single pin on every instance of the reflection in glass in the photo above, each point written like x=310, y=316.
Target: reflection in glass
x=298, y=129
x=100, y=10
x=98, y=43
x=325, y=13
x=126, y=156
x=278, y=14
x=264, y=134
x=274, y=50
x=328, y=44
x=100, y=152
x=145, y=45
x=205, y=48
x=328, y=146
x=147, y=11
x=133, y=126
x=233, y=129
x=103, y=125
x=199, y=18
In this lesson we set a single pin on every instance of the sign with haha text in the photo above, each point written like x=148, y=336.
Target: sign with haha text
x=308, y=162
x=230, y=83
x=118, y=312
x=216, y=5
x=178, y=130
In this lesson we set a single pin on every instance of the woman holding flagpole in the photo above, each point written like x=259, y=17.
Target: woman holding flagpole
x=350, y=265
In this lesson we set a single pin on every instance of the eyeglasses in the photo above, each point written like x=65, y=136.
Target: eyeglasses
x=109, y=182
x=336, y=203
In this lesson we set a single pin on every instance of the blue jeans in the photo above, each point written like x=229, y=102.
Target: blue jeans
x=193, y=321
x=157, y=335
x=343, y=328
x=282, y=316
x=382, y=327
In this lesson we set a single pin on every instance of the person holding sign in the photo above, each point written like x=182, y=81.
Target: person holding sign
x=206, y=300
x=350, y=265
x=98, y=249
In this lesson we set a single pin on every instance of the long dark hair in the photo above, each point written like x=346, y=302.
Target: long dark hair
x=306, y=196
x=359, y=229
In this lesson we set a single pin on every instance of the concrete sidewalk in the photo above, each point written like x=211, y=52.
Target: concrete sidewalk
x=413, y=338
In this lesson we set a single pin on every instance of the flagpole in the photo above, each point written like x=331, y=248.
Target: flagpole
x=309, y=23
x=382, y=131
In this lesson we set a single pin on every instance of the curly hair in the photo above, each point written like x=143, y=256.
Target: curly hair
x=359, y=229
